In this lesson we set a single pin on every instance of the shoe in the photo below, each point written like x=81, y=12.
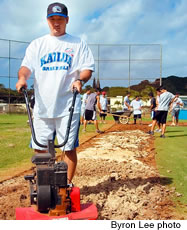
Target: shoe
x=151, y=132
x=162, y=136
x=150, y=125
x=99, y=131
x=158, y=130
x=172, y=124
x=84, y=130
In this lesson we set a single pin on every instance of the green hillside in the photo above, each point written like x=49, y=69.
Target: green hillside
x=173, y=84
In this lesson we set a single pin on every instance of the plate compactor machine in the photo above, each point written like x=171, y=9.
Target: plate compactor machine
x=51, y=197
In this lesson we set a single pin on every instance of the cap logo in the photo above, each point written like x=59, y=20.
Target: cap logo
x=56, y=9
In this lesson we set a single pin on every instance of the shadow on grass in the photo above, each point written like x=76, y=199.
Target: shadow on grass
x=8, y=123
x=174, y=131
x=185, y=135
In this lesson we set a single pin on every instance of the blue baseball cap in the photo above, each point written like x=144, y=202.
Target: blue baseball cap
x=57, y=9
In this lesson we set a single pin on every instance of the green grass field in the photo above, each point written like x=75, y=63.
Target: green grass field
x=171, y=152
x=172, y=160
x=14, y=141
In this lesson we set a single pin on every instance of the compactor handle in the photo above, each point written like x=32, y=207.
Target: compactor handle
x=71, y=110
x=75, y=92
x=24, y=91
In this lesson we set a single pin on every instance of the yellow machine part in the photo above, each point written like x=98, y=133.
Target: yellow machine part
x=62, y=208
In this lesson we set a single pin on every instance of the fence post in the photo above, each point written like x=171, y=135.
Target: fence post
x=160, y=65
x=129, y=75
x=9, y=55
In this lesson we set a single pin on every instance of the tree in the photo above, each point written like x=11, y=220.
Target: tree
x=94, y=84
x=98, y=84
x=2, y=86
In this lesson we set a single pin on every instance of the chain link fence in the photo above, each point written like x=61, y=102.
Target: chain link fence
x=126, y=65
x=115, y=65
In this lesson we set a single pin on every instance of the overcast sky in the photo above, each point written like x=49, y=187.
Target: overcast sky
x=108, y=22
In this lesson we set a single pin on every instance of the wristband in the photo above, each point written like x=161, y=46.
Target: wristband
x=81, y=81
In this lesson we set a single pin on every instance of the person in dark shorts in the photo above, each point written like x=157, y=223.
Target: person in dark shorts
x=166, y=98
x=161, y=116
x=104, y=103
x=153, y=105
x=83, y=105
x=137, y=104
x=90, y=109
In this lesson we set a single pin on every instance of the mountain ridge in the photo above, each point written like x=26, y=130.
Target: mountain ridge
x=173, y=84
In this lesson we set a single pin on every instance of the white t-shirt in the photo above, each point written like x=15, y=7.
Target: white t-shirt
x=176, y=104
x=164, y=102
x=103, y=102
x=136, y=105
x=56, y=63
x=126, y=99
x=84, y=98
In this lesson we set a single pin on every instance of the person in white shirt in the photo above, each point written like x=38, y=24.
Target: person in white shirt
x=93, y=104
x=84, y=100
x=126, y=103
x=175, y=109
x=137, y=104
x=60, y=62
x=104, y=103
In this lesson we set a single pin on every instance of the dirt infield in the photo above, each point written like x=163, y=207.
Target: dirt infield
x=116, y=171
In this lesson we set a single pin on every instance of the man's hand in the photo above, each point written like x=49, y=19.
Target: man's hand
x=23, y=74
x=78, y=85
x=85, y=75
x=21, y=83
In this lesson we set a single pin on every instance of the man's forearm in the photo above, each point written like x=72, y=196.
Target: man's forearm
x=24, y=73
x=85, y=75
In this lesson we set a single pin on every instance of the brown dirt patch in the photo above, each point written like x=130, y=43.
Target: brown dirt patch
x=116, y=171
